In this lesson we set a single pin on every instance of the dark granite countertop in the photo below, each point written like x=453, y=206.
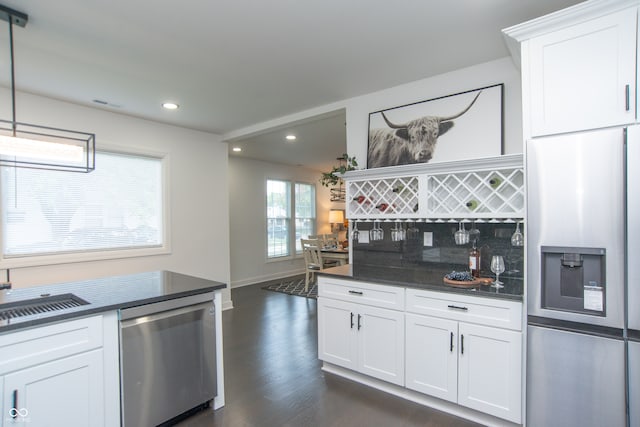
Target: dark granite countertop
x=430, y=279
x=106, y=294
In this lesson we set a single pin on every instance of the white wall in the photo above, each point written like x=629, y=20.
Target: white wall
x=247, y=205
x=494, y=72
x=198, y=192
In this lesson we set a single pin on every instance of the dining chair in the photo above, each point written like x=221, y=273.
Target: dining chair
x=312, y=259
x=331, y=240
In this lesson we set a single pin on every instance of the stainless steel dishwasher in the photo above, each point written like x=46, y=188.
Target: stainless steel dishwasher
x=168, y=359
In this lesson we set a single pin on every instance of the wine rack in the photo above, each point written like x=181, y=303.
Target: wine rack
x=485, y=194
x=490, y=188
x=383, y=198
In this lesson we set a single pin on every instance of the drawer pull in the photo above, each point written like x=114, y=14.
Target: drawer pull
x=462, y=344
x=355, y=292
x=451, y=343
x=359, y=325
x=455, y=307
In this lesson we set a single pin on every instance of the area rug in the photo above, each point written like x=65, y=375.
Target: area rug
x=294, y=287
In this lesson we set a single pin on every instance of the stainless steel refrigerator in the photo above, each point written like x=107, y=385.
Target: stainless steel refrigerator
x=582, y=233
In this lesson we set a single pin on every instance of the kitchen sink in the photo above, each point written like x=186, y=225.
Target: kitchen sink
x=40, y=305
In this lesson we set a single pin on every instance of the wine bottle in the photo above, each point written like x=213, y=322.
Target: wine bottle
x=398, y=189
x=472, y=204
x=361, y=199
x=474, y=261
x=382, y=206
x=495, y=182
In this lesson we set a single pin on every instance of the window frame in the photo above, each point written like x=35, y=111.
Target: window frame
x=266, y=222
x=107, y=254
x=293, y=252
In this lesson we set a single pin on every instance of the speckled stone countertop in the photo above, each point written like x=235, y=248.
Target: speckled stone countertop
x=105, y=294
x=423, y=279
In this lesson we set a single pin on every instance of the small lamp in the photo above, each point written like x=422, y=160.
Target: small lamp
x=336, y=219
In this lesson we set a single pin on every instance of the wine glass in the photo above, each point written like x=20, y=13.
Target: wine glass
x=497, y=266
x=517, y=239
x=355, y=233
x=413, y=232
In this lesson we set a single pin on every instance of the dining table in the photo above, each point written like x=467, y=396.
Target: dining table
x=336, y=254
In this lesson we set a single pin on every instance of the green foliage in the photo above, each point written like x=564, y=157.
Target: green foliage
x=331, y=179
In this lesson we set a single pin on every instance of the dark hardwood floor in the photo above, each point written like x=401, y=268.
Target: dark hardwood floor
x=273, y=376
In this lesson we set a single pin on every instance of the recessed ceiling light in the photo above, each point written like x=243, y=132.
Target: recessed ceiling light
x=291, y=137
x=170, y=105
x=237, y=149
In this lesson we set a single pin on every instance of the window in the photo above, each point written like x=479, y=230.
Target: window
x=117, y=206
x=305, y=212
x=278, y=217
x=282, y=205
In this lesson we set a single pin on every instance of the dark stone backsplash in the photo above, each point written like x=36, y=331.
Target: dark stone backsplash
x=494, y=239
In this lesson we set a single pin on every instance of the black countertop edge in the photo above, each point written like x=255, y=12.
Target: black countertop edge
x=107, y=294
x=346, y=272
x=575, y=327
x=633, y=335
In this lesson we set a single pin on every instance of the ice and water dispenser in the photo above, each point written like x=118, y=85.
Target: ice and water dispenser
x=573, y=279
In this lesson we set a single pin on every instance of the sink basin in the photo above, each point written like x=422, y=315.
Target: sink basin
x=40, y=305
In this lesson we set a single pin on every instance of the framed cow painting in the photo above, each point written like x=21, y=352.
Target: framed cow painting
x=465, y=125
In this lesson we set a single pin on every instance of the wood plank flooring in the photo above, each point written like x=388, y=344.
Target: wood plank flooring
x=273, y=376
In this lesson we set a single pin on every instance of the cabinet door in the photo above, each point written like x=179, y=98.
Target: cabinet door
x=64, y=393
x=381, y=343
x=489, y=373
x=337, y=342
x=583, y=76
x=432, y=356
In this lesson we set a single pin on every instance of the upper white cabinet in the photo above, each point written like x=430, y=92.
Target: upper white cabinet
x=579, y=67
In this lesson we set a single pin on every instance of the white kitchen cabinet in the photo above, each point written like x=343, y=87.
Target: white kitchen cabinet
x=65, y=392
x=579, y=68
x=61, y=374
x=432, y=356
x=490, y=370
x=359, y=336
x=466, y=350
x=475, y=366
x=337, y=341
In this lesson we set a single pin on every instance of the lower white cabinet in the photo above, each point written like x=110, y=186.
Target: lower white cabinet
x=61, y=375
x=475, y=366
x=364, y=338
x=459, y=348
x=66, y=392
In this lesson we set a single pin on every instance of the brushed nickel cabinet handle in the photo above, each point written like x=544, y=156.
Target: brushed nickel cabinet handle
x=626, y=97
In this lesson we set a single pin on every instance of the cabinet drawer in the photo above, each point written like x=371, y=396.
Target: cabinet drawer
x=391, y=297
x=42, y=344
x=484, y=311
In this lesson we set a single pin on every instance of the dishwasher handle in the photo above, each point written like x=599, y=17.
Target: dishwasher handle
x=163, y=306
x=166, y=314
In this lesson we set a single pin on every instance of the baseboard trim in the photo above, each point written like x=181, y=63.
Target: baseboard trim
x=266, y=278
x=419, y=398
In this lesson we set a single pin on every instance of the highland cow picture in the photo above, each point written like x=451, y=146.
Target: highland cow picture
x=465, y=125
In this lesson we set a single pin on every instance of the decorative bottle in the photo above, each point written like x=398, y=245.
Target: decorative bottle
x=474, y=261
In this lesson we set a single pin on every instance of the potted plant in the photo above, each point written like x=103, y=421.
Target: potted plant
x=331, y=179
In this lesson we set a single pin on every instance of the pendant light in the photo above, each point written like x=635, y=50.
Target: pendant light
x=40, y=147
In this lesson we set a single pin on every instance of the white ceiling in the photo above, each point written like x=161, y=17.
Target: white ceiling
x=231, y=64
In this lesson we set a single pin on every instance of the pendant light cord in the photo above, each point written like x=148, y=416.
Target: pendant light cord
x=13, y=79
